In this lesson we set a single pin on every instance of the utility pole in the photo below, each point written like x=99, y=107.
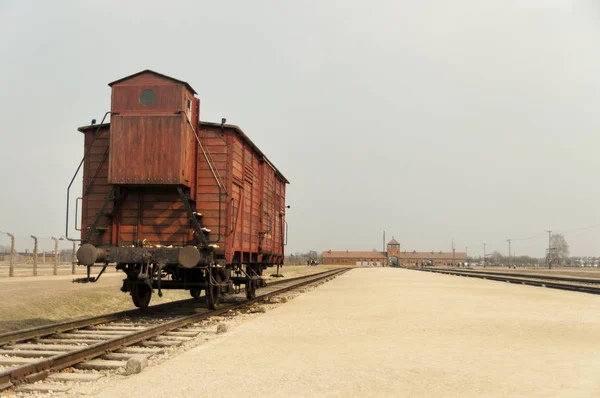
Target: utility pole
x=453, y=253
x=11, y=269
x=484, y=257
x=35, y=249
x=548, y=256
x=387, y=259
x=508, y=240
x=55, y=255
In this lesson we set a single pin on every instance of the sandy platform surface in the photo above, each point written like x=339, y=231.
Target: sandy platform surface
x=398, y=333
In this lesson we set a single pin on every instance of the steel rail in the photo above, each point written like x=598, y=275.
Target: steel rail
x=41, y=369
x=520, y=275
x=41, y=331
x=530, y=282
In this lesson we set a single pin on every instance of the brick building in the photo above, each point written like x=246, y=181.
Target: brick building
x=354, y=258
x=394, y=257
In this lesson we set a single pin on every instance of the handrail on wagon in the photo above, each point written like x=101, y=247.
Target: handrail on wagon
x=75, y=175
x=214, y=170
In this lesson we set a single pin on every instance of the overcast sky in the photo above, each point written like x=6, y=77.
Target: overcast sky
x=432, y=120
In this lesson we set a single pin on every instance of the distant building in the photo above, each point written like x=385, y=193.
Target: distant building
x=437, y=259
x=394, y=257
x=354, y=258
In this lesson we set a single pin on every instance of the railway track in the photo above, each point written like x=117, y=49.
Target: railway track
x=37, y=353
x=584, y=285
x=530, y=276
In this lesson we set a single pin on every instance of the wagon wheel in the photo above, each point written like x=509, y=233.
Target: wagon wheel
x=213, y=290
x=195, y=293
x=250, y=288
x=141, y=295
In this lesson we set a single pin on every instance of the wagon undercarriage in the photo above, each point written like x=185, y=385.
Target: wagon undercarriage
x=214, y=282
x=156, y=269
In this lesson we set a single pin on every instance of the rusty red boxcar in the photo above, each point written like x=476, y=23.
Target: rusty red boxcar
x=174, y=202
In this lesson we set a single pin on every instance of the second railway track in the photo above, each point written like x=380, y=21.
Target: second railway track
x=584, y=285
x=34, y=354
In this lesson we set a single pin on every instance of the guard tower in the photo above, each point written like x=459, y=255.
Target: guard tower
x=393, y=252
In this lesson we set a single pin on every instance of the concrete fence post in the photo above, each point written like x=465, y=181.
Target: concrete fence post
x=35, y=253
x=55, y=255
x=73, y=260
x=11, y=269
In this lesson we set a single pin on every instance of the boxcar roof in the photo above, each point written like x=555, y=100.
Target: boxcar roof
x=249, y=141
x=155, y=73
x=238, y=130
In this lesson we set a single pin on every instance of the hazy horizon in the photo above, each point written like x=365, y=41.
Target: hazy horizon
x=434, y=121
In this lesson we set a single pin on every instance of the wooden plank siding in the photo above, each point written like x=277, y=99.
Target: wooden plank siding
x=207, y=190
x=147, y=151
x=252, y=212
x=152, y=142
x=268, y=210
x=95, y=181
x=152, y=213
x=155, y=214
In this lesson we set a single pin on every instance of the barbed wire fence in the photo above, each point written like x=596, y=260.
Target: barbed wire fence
x=29, y=262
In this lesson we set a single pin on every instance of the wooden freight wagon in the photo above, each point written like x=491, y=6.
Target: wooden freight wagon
x=175, y=202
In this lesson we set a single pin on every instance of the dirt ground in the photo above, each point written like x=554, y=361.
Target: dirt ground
x=397, y=333
x=35, y=301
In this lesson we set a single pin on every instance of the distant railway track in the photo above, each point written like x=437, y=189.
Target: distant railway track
x=34, y=354
x=530, y=276
x=584, y=285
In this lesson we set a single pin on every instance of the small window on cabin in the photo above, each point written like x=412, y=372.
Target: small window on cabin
x=188, y=110
x=147, y=97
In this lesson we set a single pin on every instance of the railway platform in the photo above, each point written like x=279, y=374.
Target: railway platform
x=401, y=333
